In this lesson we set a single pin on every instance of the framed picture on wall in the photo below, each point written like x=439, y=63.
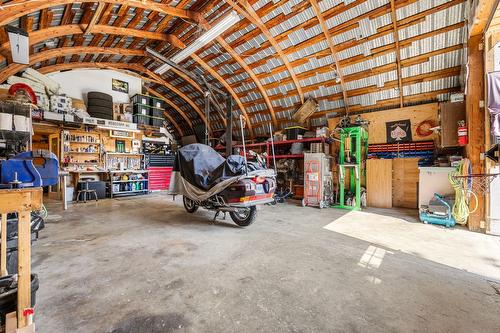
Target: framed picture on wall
x=398, y=131
x=120, y=86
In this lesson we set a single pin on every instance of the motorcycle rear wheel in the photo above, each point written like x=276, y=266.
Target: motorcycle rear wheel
x=189, y=205
x=244, y=216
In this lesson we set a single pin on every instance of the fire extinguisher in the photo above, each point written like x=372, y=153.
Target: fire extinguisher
x=463, y=137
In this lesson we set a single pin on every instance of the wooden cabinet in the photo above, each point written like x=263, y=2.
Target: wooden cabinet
x=392, y=183
x=379, y=183
x=405, y=182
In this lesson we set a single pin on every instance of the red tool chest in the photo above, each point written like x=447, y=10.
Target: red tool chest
x=159, y=178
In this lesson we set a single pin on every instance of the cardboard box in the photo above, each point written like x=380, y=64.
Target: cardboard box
x=125, y=107
x=42, y=100
x=60, y=103
x=305, y=111
x=78, y=104
x=322, y=132
x=127, y=117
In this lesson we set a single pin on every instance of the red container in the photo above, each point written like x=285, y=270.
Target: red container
x=159, y=178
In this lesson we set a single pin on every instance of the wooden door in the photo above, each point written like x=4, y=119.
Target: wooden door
x=55, y=147
x=379, y=183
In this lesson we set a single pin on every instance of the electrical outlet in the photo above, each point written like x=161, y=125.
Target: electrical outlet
x=482, y=224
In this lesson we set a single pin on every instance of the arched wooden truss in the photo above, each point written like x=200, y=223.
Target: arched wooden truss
x=256, y=58
x=130, y=68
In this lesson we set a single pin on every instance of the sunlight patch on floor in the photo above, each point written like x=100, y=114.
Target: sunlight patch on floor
x=372, y=258
x=474, y=252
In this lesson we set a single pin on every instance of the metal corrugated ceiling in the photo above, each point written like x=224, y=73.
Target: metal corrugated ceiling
x=361, y=32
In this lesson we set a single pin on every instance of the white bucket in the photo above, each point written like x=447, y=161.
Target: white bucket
x=5, y=122
x=21, y=123
x=69, y=193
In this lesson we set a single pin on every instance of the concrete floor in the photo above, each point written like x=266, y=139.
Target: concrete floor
x=144, y=265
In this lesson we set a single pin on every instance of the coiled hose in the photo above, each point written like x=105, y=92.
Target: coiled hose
x=463, y=188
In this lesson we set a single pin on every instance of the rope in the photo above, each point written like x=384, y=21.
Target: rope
x=462, y=187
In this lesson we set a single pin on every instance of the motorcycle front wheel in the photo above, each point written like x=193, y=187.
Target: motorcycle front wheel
x=189, y=205
x=244, y=216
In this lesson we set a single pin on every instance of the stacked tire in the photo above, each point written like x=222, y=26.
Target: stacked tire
x=100, y=105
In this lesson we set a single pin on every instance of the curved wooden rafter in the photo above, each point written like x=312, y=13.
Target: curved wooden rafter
x=157, y=94
x=19, y=8
x=62, y=52
x=163, y=82
x=249, y=13
x=342, y=28
x=41, y=35
x=173, y=122
x=188, y=79
x=87, y=11
x=398, y=52
x=245, y=67
x=172, y=104
x=252, y=75
x=125, y=67
x=216, y=75
x=328, y=37
x=128, y=66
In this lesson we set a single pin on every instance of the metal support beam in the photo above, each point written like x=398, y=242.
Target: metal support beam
x=192, y=75
x=229, y=126
x=207, y=116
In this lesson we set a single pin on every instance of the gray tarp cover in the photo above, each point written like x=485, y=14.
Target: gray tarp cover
x=200, y=172
x=494, y=102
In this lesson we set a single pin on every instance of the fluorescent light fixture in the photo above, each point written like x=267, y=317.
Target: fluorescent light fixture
x=162, y=69
x=19, y=45
x=227, y=22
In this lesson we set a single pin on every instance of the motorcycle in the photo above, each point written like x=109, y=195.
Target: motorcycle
x=233, y=185
x=240, y=199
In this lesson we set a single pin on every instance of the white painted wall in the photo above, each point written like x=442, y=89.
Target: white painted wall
x=76, y=83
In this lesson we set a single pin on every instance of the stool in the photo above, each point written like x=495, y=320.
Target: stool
x=85, y=189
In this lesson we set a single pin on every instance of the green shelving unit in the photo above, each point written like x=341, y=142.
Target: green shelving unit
x=352, y=156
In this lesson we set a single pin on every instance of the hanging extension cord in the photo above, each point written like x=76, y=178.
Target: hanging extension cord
x=43, y=212
x=463, y=188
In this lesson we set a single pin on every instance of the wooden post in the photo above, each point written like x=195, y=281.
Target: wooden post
x=3, y=246
x=23, y=266
x=475, y=122
x=22, y=201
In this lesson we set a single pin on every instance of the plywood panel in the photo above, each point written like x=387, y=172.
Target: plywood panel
x=405, y=182
x=379, y=183
x=451, y=114
x=377, y=127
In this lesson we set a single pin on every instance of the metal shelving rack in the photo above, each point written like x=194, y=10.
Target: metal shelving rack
x=144, y=182
x=70, y=147
x=268, y=147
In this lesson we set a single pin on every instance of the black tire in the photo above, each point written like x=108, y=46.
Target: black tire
x=246, y=218
x=99, y=102
x=189, y=205
x=100, y=115
x=100, y=110
x=99, y=95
